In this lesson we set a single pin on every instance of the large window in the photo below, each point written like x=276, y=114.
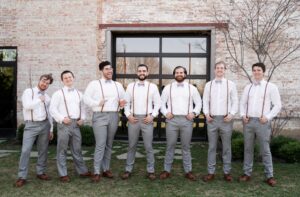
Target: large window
x=162, y=53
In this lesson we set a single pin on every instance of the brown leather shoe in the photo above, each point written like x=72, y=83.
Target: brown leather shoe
x=43, y=177
x=151, y=176
x=85, y=175
x=271, y=181
x=126, y=175
x=64, y=179
x=244, y=178
x=190, y=176
x=164, y=175
x=20, y=182
x=95, y=178
x=228, y=177
x=208, y=177
x=108, y=174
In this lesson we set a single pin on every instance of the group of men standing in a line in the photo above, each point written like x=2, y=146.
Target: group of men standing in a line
x=180, y=103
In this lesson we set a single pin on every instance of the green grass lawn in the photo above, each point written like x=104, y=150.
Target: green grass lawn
x=288, y=177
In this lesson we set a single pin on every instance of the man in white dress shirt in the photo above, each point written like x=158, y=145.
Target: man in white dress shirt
x=178, y=99
x=260, y=103
x=68, y=111
x=220, y=103
x=105, y=97
x=38, y=124
x=143, y=103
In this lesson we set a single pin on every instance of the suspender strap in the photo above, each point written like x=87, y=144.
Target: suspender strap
x=102, y=94
x=79, y=104
x=262, y=110
x=170, y=97
x=209, y=103
x=118, y=96
x=147, y=100
x=189, y=99
x=248, y=100
x=227, y=99
x=65, y=103
x=32, y=109
x=133, y=100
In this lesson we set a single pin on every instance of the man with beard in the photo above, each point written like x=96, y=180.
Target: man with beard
x=178, y=99
x=260, y=103
x=143, y=103
x=105, y=97
x=38, y=124
x=220, y=103
x=69, y=112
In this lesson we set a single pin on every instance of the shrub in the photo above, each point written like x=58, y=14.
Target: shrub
x=278, y=142
x=290, y=152
x=87, y=135
x=20, y=132
x=237, y=148
x=236, y=134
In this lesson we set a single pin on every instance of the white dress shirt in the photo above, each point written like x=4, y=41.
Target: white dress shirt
x=112, y=90
x=180, y=99
x=33, y=108
x=74, y=102
x=221, y=100
x=141, y=97
x=256, y=98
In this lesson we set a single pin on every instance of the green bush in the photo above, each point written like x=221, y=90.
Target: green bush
x=278, y=142
x=290, y=152
x=85, y=130
x=237, y=148
x=236, y=134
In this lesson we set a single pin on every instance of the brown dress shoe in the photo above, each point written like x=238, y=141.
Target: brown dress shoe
x=208, y=177
x=228, y=177
x=43, y=177
x=126, y=175
x=95, y=178
x=190, y=176
x=271, y=181
x=244, y=178
x=164, y=175
x=108, y=174
x=64, y=179
x=20, y=182
x=85, y=175
x=151, y=176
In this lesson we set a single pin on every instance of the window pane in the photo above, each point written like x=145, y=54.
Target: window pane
x=137, y=45
x=133, y=62
x=184, y=45
x=7, y=55
x=198, y=65
x=127, y=81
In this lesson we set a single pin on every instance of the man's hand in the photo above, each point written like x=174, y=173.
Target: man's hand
x=245, y=119
x=208, y=118
x=228, y=118
x=132, y=119
x=102, y=102
x=50, y=137
x=80, y=122
x=122, y=102
x=169, y=115
x=263, y=120
x=67, y=121
x=190, y=116
x=148, y=119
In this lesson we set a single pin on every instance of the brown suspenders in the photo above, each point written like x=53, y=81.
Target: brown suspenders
x=227, y=99
x=170, y=97
x=264, y=99
x=66, y=106
x=103, y=95
x=31, y=111
x=147, y=99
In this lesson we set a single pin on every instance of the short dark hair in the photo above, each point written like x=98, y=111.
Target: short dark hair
x=65, y=72
x=47, y=77
x=178, y=67
x=220, y=62
x=261, y=65
x=103, y=64
x=142, y=65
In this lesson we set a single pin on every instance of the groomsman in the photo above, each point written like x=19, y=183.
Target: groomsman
x=68, y=111
x=178, y=99
x=38, y=124
x=105, y=97
x=220, y=103
x=260, y=103
x=143, y=103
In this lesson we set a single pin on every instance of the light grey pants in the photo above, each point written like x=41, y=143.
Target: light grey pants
x=263, y=134
x=214, y=129
x=33, y=130
x=105, y=125
x=133, y=137
x=69, y=135
x=179, y=124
